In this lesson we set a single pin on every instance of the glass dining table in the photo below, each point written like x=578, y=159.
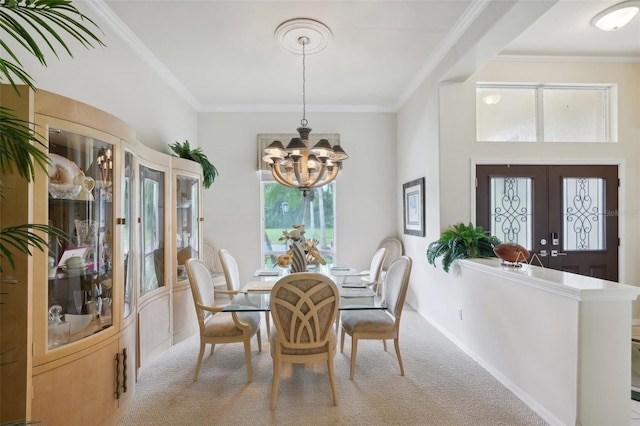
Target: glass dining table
x=354, y=292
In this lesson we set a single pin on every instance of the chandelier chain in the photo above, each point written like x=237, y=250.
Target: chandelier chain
x=304, y=121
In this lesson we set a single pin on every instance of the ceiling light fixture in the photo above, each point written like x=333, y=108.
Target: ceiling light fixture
x=616, y=16
x=297, y=166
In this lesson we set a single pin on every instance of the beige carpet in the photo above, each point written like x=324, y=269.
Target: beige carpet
x=442, y=386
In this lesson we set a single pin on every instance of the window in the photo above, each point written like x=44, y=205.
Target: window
x=283, y=207
x=547, y=113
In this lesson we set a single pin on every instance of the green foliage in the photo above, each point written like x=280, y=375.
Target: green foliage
x=461, y=242
x=209, y=171
x=21, y=20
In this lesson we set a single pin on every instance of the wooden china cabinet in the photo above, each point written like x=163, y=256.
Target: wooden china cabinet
x=76, y=319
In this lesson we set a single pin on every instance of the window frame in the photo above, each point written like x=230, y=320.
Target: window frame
x=609, y=114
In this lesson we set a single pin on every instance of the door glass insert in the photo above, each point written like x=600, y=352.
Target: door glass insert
x=511, y=209
x=583, y=209
x=187, y=224
x=80, y=269
x=127, y=235
x=152, y=228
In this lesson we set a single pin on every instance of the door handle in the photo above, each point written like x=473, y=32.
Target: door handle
x=555, y=253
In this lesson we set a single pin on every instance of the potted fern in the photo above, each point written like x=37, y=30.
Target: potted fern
x=461, y=242
x=209, y=171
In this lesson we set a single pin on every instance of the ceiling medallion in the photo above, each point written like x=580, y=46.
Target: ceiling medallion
x=289, y=32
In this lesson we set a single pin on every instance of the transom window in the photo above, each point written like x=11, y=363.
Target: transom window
x=545, y=113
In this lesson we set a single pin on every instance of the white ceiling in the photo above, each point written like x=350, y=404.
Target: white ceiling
x=222, y=55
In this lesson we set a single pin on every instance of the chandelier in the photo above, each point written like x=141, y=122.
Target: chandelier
x=297, y=166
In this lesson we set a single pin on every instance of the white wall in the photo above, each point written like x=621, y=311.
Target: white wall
x=117, y=81
x=436, y=294
x=366, y=188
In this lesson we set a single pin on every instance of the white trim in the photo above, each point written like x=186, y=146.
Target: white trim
x=516, y=390
x=119, y=28
x=560, y=58
x=448, y=42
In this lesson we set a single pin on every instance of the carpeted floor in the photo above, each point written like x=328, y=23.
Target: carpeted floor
x=442, y=386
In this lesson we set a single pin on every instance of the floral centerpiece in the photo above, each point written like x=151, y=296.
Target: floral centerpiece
x=310, y=247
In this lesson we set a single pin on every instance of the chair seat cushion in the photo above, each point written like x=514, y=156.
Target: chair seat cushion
x=222, y=325
x=372, y=320
x=310, y=351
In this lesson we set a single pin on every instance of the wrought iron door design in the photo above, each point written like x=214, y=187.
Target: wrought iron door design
x=565, y=214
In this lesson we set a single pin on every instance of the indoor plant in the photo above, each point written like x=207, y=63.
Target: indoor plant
x=209, y=171
x=461, y=242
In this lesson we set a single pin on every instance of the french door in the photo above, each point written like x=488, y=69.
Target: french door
x=566, y=214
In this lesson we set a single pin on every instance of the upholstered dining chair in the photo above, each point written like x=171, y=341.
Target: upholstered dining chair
x=373, y=277
x=394, y=251
x=232, y=277
x=217, y=326
x=380, y=324
x=304, y=306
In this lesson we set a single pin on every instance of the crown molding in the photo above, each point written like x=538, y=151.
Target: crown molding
x=296, y=108
x=100, y=8
x=567, y=58
x=448, y=42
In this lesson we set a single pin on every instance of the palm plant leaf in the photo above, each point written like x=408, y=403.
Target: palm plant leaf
x=25, y=237
x=46, y=19
x=16, y=149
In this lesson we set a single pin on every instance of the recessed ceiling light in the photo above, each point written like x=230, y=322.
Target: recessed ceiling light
x=616, y=16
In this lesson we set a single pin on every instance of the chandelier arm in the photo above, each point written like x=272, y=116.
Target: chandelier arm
x=328, y=178
x=278, y=176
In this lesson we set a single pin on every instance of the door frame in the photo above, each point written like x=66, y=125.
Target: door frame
x=622, y=202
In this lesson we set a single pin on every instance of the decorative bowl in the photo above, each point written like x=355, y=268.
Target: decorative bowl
x=64, y=191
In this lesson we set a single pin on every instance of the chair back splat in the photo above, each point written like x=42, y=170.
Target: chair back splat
x=304, y=307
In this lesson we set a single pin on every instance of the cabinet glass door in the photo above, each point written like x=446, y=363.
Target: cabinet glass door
x=187, y=221
x=127, y=240
x=152, y=217
x=80, y=269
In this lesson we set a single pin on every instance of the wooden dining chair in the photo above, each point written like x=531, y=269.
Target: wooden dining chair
x=394, y=251
x=373, y=278
x=304, y=307
x=232, y=277
x=217, y=326
x=380, y=324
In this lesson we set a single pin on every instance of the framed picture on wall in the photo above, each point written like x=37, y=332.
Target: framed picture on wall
x=413, y=196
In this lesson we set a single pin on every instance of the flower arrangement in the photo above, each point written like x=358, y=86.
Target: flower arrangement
x=310, y=247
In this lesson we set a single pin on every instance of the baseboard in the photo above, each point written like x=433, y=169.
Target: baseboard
x=524, y=396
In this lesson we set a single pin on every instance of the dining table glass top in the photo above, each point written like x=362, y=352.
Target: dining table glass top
x=353, y=289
